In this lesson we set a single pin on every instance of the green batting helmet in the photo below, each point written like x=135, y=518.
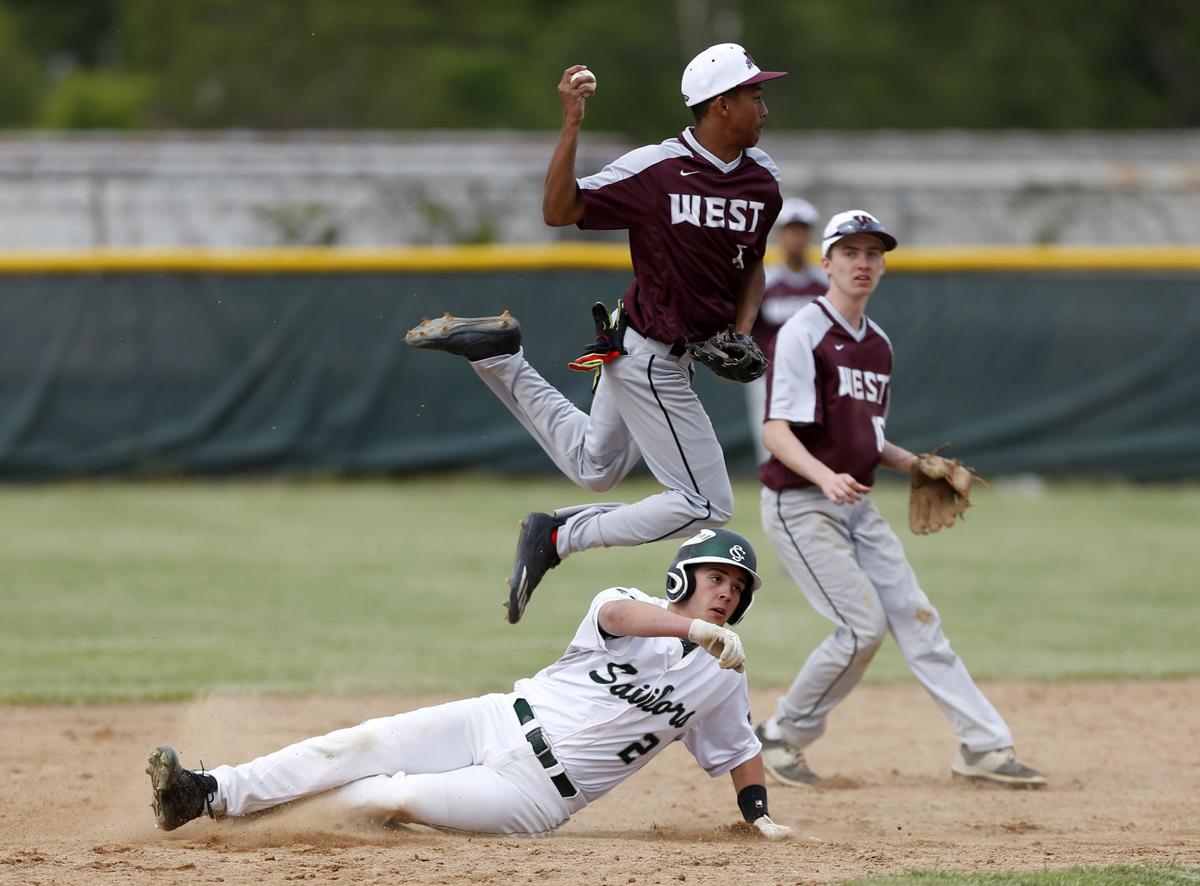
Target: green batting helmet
x=713, y=546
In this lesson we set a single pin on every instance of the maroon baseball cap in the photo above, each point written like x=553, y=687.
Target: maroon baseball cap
x=719, y=69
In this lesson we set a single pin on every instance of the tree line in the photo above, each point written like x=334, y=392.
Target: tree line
x=494, y=64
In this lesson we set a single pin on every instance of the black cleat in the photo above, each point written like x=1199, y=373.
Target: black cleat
x=179, y=794
x=475, y=338
x=536, y=555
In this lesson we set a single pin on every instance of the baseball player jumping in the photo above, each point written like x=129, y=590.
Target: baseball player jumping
x=698, y=208
x=829, y=391
x=639, y=674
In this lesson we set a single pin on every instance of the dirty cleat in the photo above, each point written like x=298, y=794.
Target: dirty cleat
x=475, y=338
x=179, y=794
x=536, y=555
x=786, y=762
x=998, y=767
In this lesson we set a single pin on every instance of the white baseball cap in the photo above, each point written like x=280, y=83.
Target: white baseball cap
x=851, y=222
x=797, y=210
x=719, y=69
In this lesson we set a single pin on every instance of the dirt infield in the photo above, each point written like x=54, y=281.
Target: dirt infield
x=1125, y=788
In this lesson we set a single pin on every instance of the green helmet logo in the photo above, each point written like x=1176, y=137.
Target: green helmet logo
x=714, y=546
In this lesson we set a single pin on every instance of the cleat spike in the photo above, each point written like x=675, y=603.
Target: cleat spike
x=475, y=338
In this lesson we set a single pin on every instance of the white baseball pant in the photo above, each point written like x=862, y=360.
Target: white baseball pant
x=645, y=408
x=465, y=765
x=851, y=567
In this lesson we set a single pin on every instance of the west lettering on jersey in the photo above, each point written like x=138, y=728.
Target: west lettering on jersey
x=862, y=384
x=715, y=212
x=653, y=701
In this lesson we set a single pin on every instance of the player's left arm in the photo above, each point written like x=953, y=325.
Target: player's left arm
x=749, y=298
x=633, y=618
x=897, y=458
x=750, y=784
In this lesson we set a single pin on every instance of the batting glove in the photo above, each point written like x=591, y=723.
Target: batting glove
x=721, y=643
x=771, y=830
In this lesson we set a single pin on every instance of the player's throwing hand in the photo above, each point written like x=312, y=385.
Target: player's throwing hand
x=577, y=84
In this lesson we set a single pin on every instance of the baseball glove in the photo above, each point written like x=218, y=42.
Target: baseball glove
x=731, y=355
x=941, y=491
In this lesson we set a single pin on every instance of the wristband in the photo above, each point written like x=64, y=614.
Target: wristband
x=752, y=800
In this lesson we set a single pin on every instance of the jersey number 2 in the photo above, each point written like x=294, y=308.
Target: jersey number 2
x=648, y=742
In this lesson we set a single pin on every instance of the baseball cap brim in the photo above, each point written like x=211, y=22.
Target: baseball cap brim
x=763, y=76
x=889, y=242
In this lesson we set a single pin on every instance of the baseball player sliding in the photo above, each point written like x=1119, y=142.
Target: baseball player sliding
x=698, y=208
x=829, y=391
x=639, y=674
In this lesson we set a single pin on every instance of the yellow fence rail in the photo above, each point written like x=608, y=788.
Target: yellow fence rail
x=559, y=256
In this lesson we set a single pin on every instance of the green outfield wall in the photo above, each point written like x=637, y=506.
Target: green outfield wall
x=1059, y=362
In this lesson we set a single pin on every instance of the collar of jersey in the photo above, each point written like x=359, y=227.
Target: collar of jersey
x=716, y=161
x=856, y=334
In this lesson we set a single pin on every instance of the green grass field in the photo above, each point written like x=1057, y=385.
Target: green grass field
x=138, y=591
x=1115, y=875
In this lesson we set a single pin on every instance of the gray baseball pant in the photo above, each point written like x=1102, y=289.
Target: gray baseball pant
x=851, y=567
x=643, y=408
x=756, y=409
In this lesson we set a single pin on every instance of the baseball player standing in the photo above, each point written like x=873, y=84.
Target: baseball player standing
x=698, y=208
x=790, y=285
x=639, y=674
x=829, y=394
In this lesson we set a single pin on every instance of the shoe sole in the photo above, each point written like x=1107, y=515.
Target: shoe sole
x=518, y=582
x=998, y=780
x=440, y=334
x=769, y=747
x=521, y=584
x=787, y=782
x=164, y=769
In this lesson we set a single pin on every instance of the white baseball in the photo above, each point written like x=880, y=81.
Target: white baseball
x=586, y=88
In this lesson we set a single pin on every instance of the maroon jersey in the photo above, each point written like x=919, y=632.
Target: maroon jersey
x=695, y=224
x=832, y=383
x=786, y=292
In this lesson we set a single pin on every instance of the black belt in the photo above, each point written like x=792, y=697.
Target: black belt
x=542, y=750
x=678, y=349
